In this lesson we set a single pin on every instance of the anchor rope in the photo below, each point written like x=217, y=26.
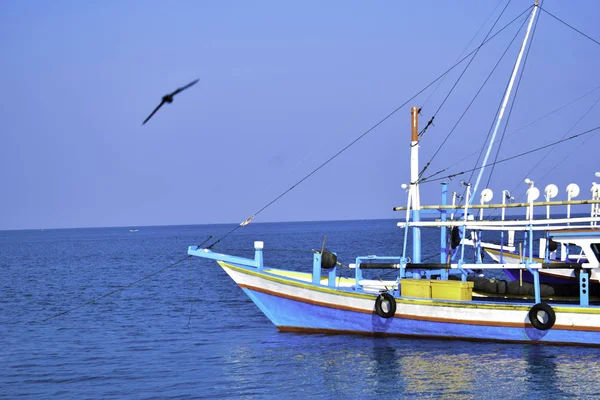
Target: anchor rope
x=190, y=295
x=188, y=257
x=117, y=290
x=388, y=116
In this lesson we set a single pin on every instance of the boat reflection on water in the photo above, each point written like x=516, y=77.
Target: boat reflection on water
x=423, y=372
x=359, y=366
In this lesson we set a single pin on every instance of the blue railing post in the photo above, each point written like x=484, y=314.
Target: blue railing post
x=531, y=242
x=332, y=276
x=416, y=254
x=316, y=279
x=536, y=283
x=584, y=286
x=258, y=254
x=443, y=238
x=357, y=273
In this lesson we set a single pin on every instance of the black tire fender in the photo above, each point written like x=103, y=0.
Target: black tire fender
x=383, y=299
x=537, y=314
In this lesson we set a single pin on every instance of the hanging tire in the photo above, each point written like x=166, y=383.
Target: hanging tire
x=385, y=305
x=542, y=316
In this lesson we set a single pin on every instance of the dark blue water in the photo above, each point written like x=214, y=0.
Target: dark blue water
x=190, y=332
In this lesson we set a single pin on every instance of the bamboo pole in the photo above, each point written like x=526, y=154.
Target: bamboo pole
x=508, y=205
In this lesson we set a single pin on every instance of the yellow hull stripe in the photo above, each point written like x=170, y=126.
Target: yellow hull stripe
x=401, y=300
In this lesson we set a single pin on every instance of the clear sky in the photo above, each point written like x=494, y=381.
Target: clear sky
x=284, y=85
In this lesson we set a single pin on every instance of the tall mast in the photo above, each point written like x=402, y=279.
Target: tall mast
x=506, y=97
x=414, y=183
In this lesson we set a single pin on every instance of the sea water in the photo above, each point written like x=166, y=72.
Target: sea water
x=165, y=328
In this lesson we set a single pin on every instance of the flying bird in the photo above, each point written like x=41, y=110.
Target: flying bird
x=168, y=98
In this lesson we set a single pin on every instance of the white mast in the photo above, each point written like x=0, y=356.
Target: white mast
x=506, y=96
x=414, y=183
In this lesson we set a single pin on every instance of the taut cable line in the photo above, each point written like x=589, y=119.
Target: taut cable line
x=388, y=116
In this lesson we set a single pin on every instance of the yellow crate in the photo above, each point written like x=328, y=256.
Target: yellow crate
x=451, y=290
x=415, y=288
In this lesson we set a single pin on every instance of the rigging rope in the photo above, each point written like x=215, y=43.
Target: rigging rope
x=573, y=127
x=430, y=122
x=490, y=130
x=368, y=130
x=461, y=53
x=512, y=104
x=472, y=101
x=428, y=180
x=469, y=63
x=548, y=153
x=555, y=110
x=575, y=29
x=524, y=127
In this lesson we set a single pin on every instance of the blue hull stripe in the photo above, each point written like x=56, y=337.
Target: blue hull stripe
x=292, y=315
x=524, y=324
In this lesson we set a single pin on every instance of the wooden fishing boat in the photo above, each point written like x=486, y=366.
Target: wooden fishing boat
x=432, y=300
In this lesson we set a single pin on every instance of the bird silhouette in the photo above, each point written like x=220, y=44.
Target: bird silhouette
x=168, y=98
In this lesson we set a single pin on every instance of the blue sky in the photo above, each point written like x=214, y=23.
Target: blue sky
x=283, y=87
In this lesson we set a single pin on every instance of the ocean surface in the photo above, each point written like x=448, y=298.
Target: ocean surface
x=162, y=328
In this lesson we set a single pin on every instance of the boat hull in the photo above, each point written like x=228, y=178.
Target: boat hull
x=297, y=306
